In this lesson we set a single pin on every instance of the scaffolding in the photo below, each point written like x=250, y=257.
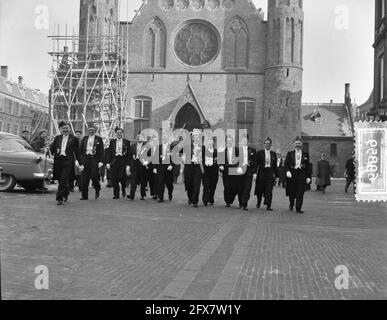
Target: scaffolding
x=89, y=82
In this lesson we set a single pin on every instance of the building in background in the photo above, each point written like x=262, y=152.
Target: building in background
x=376, y=107
x=21, y=108
x=329, y=128
x=190, y=63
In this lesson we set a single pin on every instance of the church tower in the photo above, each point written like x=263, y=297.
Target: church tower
x=98, y=21
x=283, y=73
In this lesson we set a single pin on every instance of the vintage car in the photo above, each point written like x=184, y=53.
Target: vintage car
x=19, y=164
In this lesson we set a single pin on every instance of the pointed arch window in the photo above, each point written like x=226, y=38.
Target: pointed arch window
x=236, y=45
x=155, y=44
x=245, y=115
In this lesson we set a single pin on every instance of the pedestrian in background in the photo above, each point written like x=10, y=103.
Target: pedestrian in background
x=39, y=143
x=350, y=174
x=323, y=173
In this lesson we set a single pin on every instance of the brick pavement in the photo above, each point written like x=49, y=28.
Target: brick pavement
x=110, y=249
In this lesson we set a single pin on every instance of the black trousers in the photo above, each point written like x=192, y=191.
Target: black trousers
x=264, y=186
x=164, y=179
x=65, y=168
x=192, y=181
x=118, y=175
x=210, y=182
x=231, y=187
x=246, y=183
x=152, y=181
x=348, y=183
x=90, y=172
x=138, y=177
x=296, y=188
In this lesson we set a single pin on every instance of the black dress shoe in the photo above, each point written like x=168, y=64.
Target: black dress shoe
x=211, y=203
x=66, y=199
x=97, y=195
x=59, y=203
x=124, y=194
x=170, y=198
x=160, y=201
x=195, y=206
x=300, y=211
x=291, y=208
x=258, y=206
x=245, y=209
x=154, y=198
x=83, y=199
x=189, y=202
x=228, y=206
x=142, y=198
x=205, y=204
x=130, y=198
x=115, y=198
x=269, y=209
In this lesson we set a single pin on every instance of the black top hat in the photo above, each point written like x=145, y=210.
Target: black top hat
x=118, y=129
x=298, y=139
x=63, y=123
x=269, y=140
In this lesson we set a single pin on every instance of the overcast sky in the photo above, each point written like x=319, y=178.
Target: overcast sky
x=337, y=50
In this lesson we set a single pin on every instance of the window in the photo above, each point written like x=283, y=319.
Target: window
x=333, y=150
x=381, y=78
x=142, y=114
x=15, y=108
x=1, y=125
x=9, y=125
x=2, y=102
x=8, y=106
x=16, y=129
x=236, y=44
x=245, y=119
x=26, y=128
x=306, y=147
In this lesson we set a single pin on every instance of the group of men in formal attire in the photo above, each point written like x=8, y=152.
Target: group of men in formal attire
x=150, y=163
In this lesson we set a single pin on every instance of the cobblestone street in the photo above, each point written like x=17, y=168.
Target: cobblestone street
x=109, y=249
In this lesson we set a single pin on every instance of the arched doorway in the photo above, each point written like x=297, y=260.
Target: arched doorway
x=188, y=118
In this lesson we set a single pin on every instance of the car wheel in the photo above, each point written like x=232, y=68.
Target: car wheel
x=7, y=183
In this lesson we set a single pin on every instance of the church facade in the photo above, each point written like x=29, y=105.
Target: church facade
x=216, y=64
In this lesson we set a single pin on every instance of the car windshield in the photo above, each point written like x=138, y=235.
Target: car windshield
x=14, y=145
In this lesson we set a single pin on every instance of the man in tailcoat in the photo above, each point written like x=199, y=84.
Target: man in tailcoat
x=231, y=179
x=267, y=173
x=193, y=170
x=248, y=166
x=118, y=162
x=298, y=175
x=92, y=158
x=211, y=172
x=65, y=149
x=164, y=170
x=138, y=168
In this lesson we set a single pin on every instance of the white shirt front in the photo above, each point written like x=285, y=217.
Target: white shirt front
x=165, y=148
x=119, y=147
x=298, y=159
x=230, y=154
x=139, y=147
x=196, y=154
x=210, y=160
x=267, y=159
x=64, y=145
x=90, y=145
x=245, y=156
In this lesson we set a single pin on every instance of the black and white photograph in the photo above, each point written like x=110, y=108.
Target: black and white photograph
x=196, y=153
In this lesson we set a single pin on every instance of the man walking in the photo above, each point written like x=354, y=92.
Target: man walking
x=298, y=175
x=267, y=174
x=65, y=149
x=231, y=180
x=118, y=162
x=211, y=172
x=92, y=158
x=164, y=170
x=138, y=169
x=248, y=168
x=350, y=174
x=193, y=170
x=323, y=174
